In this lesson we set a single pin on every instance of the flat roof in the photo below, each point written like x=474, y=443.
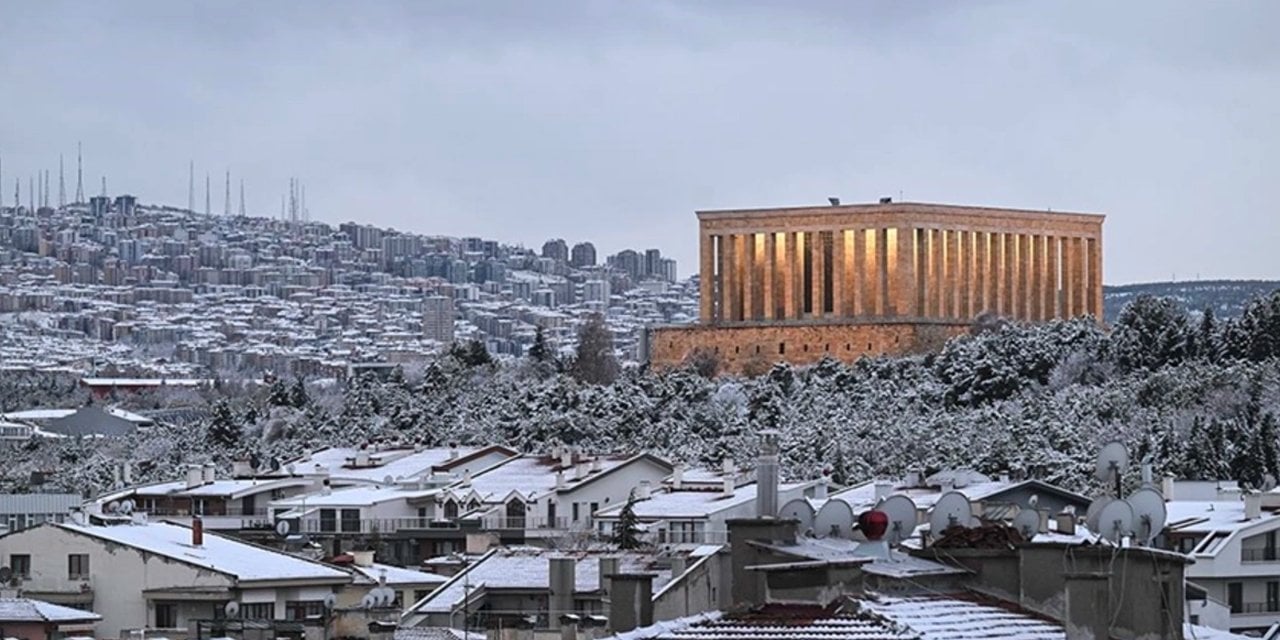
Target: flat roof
x=899, y=208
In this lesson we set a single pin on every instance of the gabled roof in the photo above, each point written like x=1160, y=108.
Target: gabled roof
x=692, y=504
x=28, y=610
x=243, y=561
x=533, y=476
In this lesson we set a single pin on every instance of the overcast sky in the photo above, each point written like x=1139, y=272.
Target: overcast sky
x=614, y=121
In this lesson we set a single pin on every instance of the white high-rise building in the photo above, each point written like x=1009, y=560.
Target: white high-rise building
x=437, y=318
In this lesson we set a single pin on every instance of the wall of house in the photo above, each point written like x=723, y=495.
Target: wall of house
x=696, y=590
x=119, y=574
x=25, y=630
x=605, y=491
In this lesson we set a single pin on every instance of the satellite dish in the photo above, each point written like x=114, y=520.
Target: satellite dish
x=368, y=601
x=903, y=518
x=388, y=480
x=951, y=510
x=1149, y=514
x=290, y=468
x=834, y=519
x=232, y=609
x=1115, y=521
x=798, y=509
x=1113, y=461
x=1095, y=507
x=126, y=507
x=113, y=507
x=388, y=596
x=283, y=528
x=330, y=601
x=1027, y=522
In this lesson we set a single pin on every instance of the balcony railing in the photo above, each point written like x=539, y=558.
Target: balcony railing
x=492, y=523
x=1260, y=607
x=1259, y=555
x=371, y=525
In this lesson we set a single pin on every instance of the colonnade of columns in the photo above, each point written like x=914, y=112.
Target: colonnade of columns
x=932, y=273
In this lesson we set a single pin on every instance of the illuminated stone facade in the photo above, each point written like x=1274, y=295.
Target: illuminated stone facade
x=779, y=283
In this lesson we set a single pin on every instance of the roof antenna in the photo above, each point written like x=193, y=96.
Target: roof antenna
x=79, y=174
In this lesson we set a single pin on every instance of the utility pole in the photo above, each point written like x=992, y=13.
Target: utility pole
x=208, y=207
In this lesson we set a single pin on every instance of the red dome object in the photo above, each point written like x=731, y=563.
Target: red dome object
x=873, y=524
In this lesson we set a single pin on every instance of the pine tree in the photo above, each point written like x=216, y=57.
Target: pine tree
x=539, y=352
x=626, y=534
x=278, y=396
x=298, y=397
x=1207, y=342
x=595, y=362
x=223, y=429
x=477, y=354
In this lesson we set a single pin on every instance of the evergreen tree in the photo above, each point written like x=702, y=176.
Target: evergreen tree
x=595, y=362
x=1207, y=342
x=539, y=352
x=1151, y=333
x=223, y=430
x=477, y=354
x=626, y=534
x=278, y=396
x=298, y=397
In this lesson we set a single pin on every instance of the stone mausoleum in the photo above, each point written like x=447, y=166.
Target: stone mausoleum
x=796, y=284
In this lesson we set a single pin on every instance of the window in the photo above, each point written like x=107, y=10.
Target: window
x=248, y=506
x=419, y=594
x=575, y=512
x=450, y=510
x=782, y=348
x=166, y=615
x=303, y=609
x=78, y=566
x=1269, y=551
x=328, y=520
x=258, y=611
x=1273, y=596
x=21, y=565
x=1235, y=597
x=351, y=520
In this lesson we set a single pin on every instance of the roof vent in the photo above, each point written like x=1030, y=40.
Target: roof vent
x=886, y=200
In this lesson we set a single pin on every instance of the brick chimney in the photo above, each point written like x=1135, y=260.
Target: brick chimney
x=197, y=532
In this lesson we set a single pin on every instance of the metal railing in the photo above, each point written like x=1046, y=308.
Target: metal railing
x=371, y=525
x=1259, y=555
x=1260, y=607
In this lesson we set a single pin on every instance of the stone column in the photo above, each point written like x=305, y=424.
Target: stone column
x=747, y=251
x=797, y=276
x=770, y=274
x=951, y=283
x=817, y=274
x=839, y=274
x=965, y=256
x=732, y=297
x=981, y=271
x=1010, y=275
x=861, y=273
x=1054, y=258
x=883, y=305
x=1070, y=278
x=1081, y=288
x=1035, y=270
x=905, y=283
x=706, y=277
x=1023, y=303
x=722, y=278
x=1095, y=277
x=934, y=294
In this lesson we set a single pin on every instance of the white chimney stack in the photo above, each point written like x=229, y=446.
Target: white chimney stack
x=677, y=476
x=566, y=458
x=727, y=467
x=561, y=485
x=210, y=473
x=1167, y=485
x=1252, y=506
x=580, y=470
x=767, y=475
x=195, y=476
x=729, y=486
x=644, y=491
x=820, y=489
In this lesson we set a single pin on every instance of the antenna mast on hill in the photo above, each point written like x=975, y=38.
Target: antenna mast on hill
x=208, y=207
x=226, y=197
x=79, y=174
x=241, y=197
x=191, y=187
x=62, y=185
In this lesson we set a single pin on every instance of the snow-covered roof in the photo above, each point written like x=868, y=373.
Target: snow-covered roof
x=944, y=618
x=398, y=575
x=897, y=564
x=358, y=496
x=28, y=610
x=693, y=504
x=217, y=488
x=38, y=414
x=530, y=568
x=534, y=476
x=243, y=561
x=397, y=464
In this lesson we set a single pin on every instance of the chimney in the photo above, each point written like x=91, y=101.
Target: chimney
x=608, y=567
x=644, y=491
x=561, y=485
x=241, y=469
x=566, y=458
x=883, y=489
x=453, y=450
x=912, y=479
x=1252, y=506
x=210, y=473
x=1167, y=485
x=362, y=458
x=195, y=476
x=580, y=470
x=466, y=477
x=595, y=464
x=197, y=532
x=729, y=486
x=1066, y=523
x=677, y=476
x=363, y=558
x=767, y=475
x=679, y=564
x=1088, y=605
x=1004, y=478
x=325, y=487
x=128, y=474
x=562, y=580
x=631, y=602
x=727, y=467
x=820, y=489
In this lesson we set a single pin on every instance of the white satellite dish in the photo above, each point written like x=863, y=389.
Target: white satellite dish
x=126, y=507
x=388, y=480
x=1112, y=462
x=1027, y=522
x=834, y=520
x=232, y=609
x=368, y=601
x=1095, y=507
x=330, y=601
x=1115, y=521
x=283, y=528
x=113, y=507
x=799, y=510
x=951, y=510
x=1149, y=514
x=903, y=518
